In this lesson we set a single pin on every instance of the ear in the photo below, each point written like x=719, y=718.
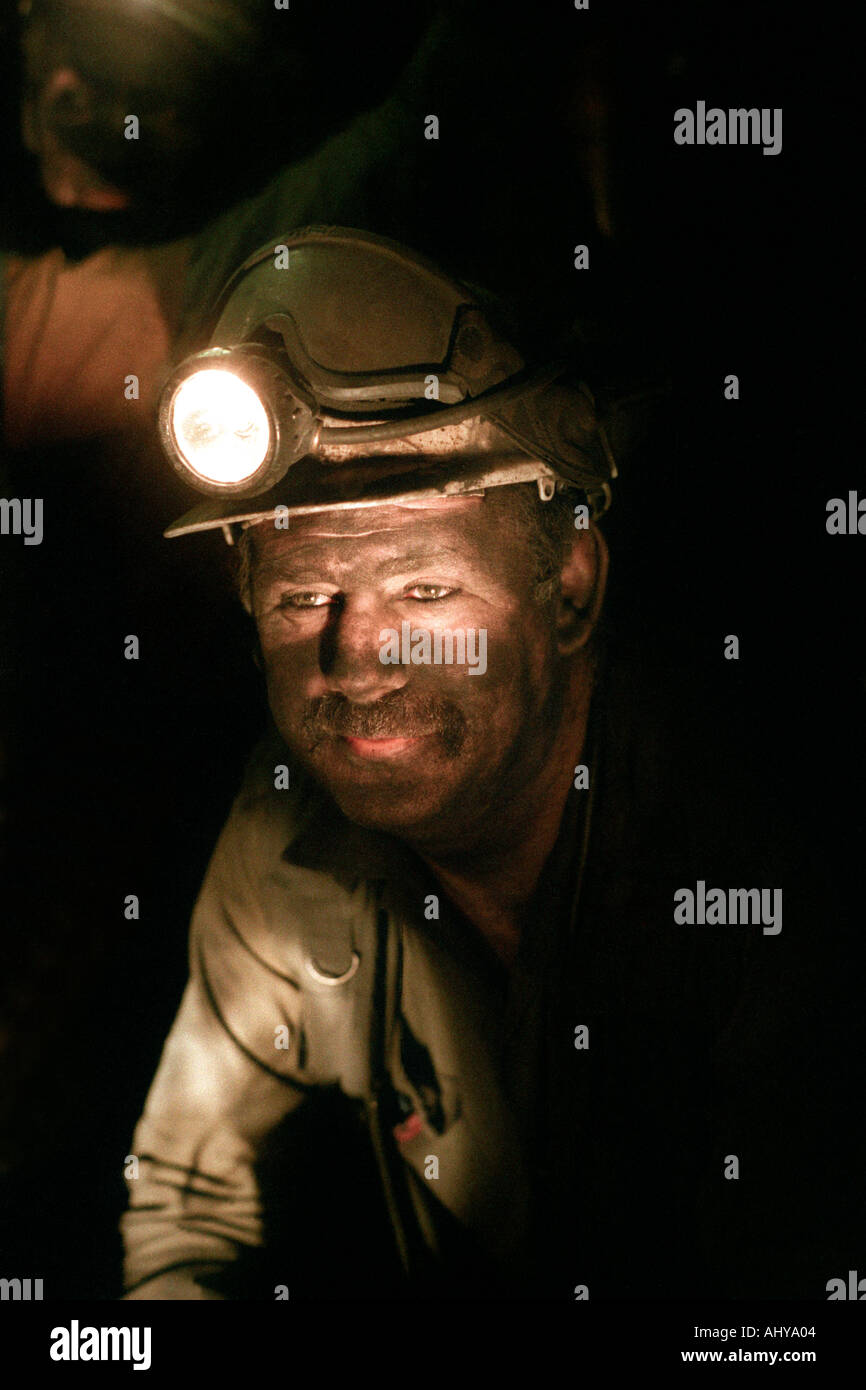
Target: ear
x=582, y=585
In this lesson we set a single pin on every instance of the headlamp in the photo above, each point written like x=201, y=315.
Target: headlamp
x=220, y=426
x=231, y=422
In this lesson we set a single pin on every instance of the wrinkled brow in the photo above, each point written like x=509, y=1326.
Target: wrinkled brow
x=315, y=557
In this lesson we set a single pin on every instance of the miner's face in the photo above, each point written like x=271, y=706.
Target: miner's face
x=411, y=745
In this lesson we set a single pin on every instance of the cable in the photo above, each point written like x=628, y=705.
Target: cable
x=450, y=415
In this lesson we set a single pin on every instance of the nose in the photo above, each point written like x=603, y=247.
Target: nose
x=349, y=653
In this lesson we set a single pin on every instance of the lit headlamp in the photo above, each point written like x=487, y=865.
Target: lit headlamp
x=231, y=422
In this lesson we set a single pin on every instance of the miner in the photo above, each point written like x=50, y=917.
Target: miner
x=442, y=893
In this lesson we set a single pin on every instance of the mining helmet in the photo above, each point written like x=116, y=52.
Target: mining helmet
x=343, y=370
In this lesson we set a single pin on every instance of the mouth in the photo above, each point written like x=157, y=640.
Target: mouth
x=379, y=747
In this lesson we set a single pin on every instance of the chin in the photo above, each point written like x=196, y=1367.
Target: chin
x=388, y=812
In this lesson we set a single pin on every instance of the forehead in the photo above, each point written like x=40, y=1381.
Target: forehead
x=476, y=530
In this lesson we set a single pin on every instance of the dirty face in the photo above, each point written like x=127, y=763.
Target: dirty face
x=424, y=749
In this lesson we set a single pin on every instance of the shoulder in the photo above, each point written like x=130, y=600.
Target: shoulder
x=271, y=936
x=683, y=767
x=275, y=802
x=277, y=886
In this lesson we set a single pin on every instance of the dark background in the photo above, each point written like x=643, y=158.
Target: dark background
x=717, y=260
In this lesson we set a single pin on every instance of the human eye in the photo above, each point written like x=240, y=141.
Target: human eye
x=428, y=593
x=303, y=599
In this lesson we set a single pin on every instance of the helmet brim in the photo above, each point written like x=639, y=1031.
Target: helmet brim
x=313, y=486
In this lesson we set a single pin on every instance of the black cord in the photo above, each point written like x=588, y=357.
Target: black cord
x=450, y=415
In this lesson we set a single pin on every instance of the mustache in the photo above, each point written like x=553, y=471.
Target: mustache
x=397, y=715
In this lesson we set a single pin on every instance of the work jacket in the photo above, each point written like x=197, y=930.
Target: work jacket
x=572, y=1120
